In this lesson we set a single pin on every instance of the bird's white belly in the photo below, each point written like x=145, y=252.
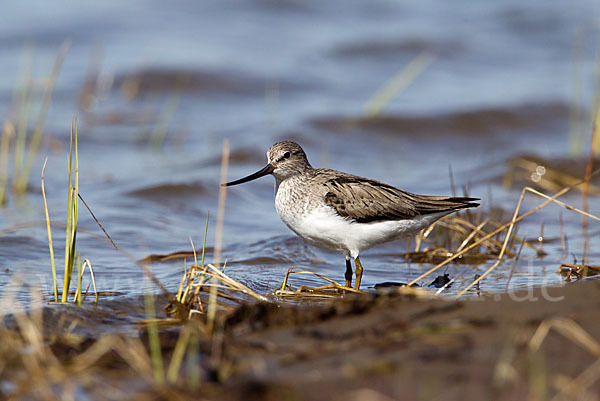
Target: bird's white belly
x=324, y=228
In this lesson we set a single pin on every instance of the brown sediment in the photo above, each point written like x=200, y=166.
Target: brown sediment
x=175, y=191
x=152, y=80
x=400, y=347
x=178, y=255
x=371, y=346
x=485, y=121
x=399, y=47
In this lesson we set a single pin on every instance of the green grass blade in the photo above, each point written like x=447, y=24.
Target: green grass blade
x=75, y=196
x=72, y=211
x=68, y=236
x=54, y=282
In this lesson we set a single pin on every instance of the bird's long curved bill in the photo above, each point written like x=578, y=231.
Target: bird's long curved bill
x=268, y=169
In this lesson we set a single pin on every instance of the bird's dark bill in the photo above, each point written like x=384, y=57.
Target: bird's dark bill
x=268, y=169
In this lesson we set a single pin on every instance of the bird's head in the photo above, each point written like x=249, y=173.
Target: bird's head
x=284, y=160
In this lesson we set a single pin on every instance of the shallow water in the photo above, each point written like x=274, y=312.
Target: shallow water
x=500, y=84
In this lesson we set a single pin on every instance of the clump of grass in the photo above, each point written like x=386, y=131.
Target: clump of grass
x=202, y=279
x=38, y=364
x=72, y=259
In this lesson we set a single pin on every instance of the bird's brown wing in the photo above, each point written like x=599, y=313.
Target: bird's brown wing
x=364, y=200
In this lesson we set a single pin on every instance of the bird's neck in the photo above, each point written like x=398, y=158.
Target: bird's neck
x=280, y=180
x=277, y=183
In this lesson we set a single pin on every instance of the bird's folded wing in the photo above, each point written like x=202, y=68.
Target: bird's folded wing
x=364, y=200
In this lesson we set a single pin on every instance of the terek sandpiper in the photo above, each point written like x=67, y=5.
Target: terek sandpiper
x=335, y=210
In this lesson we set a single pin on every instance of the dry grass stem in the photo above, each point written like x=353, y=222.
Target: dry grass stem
x=97, y=221
x=219, y=231
x=200, y=279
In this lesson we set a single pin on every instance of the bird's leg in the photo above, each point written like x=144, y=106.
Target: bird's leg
x=359, y=272
x=348, y=274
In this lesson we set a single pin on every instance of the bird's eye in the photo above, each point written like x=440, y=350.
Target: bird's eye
x=287, y=155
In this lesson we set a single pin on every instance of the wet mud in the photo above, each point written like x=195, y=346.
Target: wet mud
x=383, y=346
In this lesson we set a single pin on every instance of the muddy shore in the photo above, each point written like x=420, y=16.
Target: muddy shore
x=397, y=347
x=372, y=347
